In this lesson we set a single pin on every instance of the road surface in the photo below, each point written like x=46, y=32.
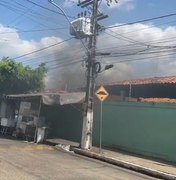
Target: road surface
x=25, y=161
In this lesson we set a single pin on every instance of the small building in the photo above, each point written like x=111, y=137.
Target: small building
x=59, y=112
x=156, y=87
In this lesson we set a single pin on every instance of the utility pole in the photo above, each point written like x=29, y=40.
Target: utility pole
x=93, y=67
x=86, y=140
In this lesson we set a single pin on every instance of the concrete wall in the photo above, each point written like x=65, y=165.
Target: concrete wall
x=142, y=128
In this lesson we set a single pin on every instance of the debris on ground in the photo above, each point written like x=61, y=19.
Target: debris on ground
x=63, y=147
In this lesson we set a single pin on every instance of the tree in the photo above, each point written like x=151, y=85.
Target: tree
x=16, y=78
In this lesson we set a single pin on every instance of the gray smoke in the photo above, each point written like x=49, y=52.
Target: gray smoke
x=68, y=72
x=142, y=62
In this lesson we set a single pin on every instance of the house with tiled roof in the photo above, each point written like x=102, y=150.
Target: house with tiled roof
x=156, y=87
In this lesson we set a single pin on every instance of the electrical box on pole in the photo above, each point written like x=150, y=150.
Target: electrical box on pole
x=81, y=27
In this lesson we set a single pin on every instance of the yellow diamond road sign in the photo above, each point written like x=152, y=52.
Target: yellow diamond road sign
x=101, y=93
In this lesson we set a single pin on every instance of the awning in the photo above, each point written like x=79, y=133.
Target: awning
x=50, y=98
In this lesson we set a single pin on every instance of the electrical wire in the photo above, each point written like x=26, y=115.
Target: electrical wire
x=47, y=47
x=47, y=8
x=126, y=38
x=21, y=15
x=142, y=59
x=64, y=65
x=50, y=61
x=25, y=11
x=148, y=44
x=15, y=10
x=140, y=21
x=141, y=43
x=129, y=48
x=142, y=52
x=33, y=30
x=149, y=27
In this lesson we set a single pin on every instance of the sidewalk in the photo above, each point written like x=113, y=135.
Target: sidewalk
x=142, y=165
x=138, y=164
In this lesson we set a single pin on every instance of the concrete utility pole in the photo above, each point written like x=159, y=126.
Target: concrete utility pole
x=93, y=67
x=86, y=140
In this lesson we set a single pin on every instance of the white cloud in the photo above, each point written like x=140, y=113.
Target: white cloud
x=135, y=38
x=12, y=45
x=57, y=57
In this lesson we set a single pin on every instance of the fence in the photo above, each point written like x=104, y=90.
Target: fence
x=143, y=128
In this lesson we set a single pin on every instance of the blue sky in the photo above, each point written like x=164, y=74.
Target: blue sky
x=14, y=14
x=26, y=27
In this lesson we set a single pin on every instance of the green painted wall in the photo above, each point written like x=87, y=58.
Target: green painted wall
x=64, y=121
x=142, y=128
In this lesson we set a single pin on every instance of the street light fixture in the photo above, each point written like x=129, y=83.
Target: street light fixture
x=108, y=67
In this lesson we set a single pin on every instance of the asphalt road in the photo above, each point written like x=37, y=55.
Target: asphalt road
x=25, y=161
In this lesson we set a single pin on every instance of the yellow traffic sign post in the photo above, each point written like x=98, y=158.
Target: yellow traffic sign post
x=101, y=94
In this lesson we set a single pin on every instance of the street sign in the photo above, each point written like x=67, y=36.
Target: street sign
x=101, y=93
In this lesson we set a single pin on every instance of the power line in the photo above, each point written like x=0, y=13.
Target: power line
x=156, y=44
x=47, y=8
x=32, y=30
x=142, y=52
x=126, y=38
x=47, y=47
x=140, y=21
x=140, y=43
x=48, y=55
x=16, y=9
x=143, y=59
x=50, y=61
x=151, y=43
x=165, y=40
x=57, y=66
x=25, y=11
x=151, y=26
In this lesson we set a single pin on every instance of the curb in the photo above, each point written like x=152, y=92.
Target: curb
x=127, y=165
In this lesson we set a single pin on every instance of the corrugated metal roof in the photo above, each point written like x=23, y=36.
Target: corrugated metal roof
x=51, y=98
x=153, y=80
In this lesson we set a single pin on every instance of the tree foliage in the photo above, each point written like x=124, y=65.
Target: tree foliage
x=16, y=78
